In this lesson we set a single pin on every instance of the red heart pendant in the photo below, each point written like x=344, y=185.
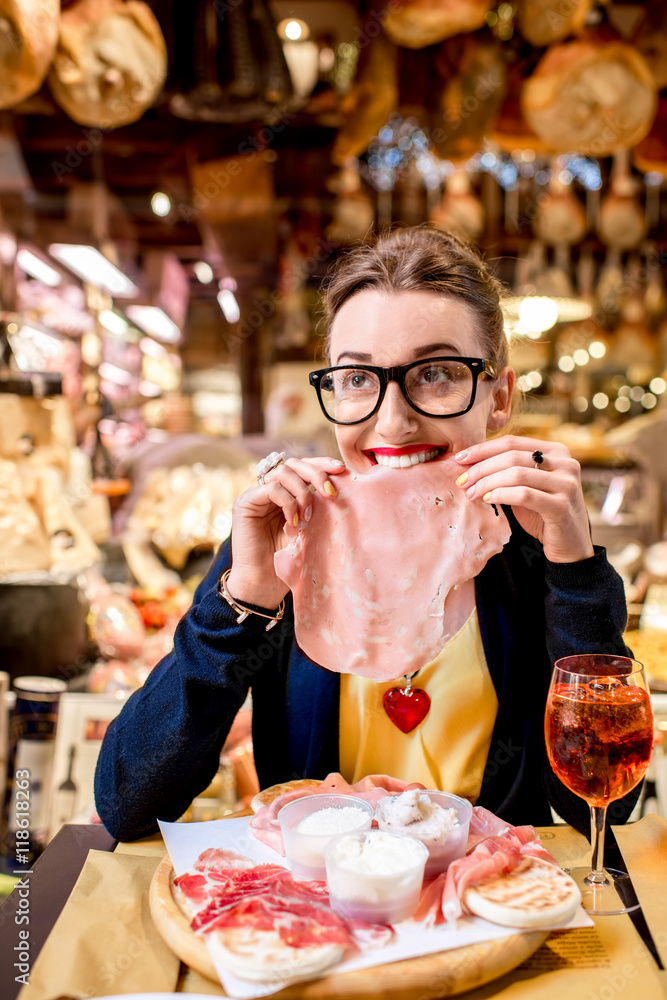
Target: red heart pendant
x=406, y=710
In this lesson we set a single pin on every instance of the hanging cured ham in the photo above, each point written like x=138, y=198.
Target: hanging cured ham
x=591, y=95
x=542, y=22
x=651, y=40
x=110, y=64
x=417, y=23
x=476, y=76
x=511, y=130
x=622, y=223
x=372, y=98
x=383, y=603
x=561, y=218
x=28, y=37
x=459, y=211
x=651, y=153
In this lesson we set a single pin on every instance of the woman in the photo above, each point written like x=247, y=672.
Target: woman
x=417, y=294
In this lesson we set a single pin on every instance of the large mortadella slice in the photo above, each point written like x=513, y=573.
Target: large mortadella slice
x=377, y=574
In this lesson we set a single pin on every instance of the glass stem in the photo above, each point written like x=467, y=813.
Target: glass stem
x=597, y=875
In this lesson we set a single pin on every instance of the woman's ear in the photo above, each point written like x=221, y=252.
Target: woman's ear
x=503, y=390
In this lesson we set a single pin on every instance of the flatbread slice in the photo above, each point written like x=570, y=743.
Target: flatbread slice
x=262, y=956
x=267, y=795
x=536, y=894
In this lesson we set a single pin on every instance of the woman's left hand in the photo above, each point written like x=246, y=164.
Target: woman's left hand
x=547, y=499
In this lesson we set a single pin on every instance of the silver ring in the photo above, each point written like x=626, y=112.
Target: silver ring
x=271, y=461
x=538, y=458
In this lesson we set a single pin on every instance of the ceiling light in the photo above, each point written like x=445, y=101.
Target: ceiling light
x=112, y=322
x=597, y=349
x=600, y=400
x=657, y=385
x=151, y=347
x=155, y=322
x=581, y=357
x=149, y=389
x=38, y=268
x=565, y=363
x=538, y=312
x=112, y=373
x=161, y=204
x=203, y=271
x=294, y=29
x=89, y=264
x=622, y=404
x=648, y=400
x=7, y=248
x=229, y=305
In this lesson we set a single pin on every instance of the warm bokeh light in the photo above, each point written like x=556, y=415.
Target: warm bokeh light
x=161, y=204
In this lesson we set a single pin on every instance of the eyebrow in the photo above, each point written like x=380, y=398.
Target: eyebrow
x=417, y=353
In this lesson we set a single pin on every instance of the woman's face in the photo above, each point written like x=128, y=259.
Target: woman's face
x=387, y=329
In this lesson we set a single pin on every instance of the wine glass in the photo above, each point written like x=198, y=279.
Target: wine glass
x=598, y=729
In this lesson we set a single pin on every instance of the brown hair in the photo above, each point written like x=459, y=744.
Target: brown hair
x=422, y=258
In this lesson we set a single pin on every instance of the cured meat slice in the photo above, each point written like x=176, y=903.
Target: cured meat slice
x=375, y=572
x=596, y=96
x=264, y=924
x=218, y=859
x=264, y=824
x=495, y=847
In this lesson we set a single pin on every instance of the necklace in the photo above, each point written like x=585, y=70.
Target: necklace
x=407, y=706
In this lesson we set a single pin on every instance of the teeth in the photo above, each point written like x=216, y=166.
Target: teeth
x=405, y=461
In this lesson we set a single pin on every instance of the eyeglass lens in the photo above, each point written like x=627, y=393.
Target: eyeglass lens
x=443, y=387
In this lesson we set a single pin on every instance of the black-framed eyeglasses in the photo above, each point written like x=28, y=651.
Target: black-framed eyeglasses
x=434, y=387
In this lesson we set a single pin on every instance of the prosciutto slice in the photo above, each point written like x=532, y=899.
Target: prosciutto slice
x=494, y=848
x=267, y=898
x=377, y=572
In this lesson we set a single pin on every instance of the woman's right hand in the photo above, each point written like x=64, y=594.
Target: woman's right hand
x=259, y=517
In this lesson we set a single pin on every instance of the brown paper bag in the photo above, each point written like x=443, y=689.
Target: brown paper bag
x=104, y=941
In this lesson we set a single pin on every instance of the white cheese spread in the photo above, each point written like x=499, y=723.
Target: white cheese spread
x=414, y=813
x=332, y=820
x=377, y=853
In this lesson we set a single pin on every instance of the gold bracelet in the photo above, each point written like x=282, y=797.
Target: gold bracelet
x=241, y=608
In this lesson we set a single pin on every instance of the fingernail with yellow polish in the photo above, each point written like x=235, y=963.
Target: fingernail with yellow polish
x=463, y=479
x=329, y=488
x=487, y=497
x=295, y=522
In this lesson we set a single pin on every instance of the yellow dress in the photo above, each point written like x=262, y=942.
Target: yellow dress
x=448, y=750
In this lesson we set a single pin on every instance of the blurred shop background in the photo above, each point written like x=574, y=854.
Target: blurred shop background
x=175, y=182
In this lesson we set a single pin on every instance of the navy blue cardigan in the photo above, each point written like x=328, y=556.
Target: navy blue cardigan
x=164, y=747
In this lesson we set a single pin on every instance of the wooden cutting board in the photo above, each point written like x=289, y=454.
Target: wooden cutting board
x=445, y=973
